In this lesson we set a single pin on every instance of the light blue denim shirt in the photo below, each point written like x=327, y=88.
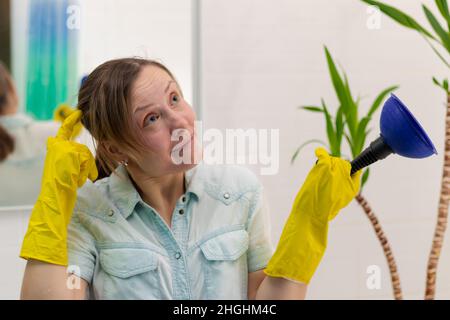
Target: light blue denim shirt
x=220, y=232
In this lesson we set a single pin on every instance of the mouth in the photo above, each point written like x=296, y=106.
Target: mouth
x=181, y=146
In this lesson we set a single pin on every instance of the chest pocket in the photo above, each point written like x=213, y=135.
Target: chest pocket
x=225, y=265
x=226, y=246
x=125, y=263
x=128, y=273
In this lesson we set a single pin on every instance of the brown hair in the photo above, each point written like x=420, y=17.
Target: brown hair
x=6, y=140
x=104, y=100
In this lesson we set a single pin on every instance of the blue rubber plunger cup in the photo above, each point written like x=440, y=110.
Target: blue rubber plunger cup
x=401, y=133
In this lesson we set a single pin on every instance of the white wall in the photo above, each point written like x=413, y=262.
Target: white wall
x=153, y=29
x=264, y=58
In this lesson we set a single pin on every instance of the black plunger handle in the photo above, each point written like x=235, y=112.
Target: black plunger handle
x=377, y=150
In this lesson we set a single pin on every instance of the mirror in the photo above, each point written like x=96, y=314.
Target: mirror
x=53, y=44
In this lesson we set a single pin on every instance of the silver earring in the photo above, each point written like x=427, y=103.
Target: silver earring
x=124, y=162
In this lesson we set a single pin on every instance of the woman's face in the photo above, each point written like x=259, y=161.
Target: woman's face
x=158, y=109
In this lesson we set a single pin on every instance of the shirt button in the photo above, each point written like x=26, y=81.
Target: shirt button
x=177, y=255
x=181, y=211
x=226, y=195
x=111, y=213
x=183, y=199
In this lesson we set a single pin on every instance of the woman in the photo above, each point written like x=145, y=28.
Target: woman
x=22, y=147
x=158, y=228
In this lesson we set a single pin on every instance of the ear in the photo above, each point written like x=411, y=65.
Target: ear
x=115, y=152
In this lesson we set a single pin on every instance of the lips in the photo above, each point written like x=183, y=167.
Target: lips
x=180, y=146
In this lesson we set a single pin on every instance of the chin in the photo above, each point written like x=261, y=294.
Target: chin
x=195, y=158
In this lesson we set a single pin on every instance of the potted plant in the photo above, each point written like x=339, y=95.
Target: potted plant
x=346, y=123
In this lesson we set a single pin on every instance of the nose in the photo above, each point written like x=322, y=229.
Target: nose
x=177, y=120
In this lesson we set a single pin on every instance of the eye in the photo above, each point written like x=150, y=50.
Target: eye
x=150, y=119
x=174, y=95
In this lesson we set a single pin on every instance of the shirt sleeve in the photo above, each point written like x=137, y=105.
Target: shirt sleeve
x=260, y=246
x=81, y=249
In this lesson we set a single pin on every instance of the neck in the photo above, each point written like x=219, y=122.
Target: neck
x=161, y=193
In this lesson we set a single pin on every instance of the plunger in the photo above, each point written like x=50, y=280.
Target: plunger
x=400, y=133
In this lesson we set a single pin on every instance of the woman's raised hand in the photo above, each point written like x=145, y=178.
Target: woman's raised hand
x=67, y=166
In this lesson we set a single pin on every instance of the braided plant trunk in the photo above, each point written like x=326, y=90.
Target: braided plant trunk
x=441, y=224
x=395, y=278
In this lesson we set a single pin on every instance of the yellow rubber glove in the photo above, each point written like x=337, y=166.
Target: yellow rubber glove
x=61, y=113
x=327, y=189
x=67, y=166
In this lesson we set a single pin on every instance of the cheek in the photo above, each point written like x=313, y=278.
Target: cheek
x=156, y=143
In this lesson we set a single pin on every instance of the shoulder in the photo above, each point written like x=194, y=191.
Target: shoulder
x=228, y=182
x=236, y=175
x=93, y=199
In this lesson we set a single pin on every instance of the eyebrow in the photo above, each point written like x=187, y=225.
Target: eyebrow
x=148, y=105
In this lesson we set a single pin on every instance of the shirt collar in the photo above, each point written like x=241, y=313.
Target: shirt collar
x=126, y=197
x=194, y=181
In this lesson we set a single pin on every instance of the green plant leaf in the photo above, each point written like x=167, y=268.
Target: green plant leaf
x=436, y=82
x=331, y=134
x=350, y=143
x=408, y=22
x=362, y=142
x=443, y=85
x=352, y=108
x=436, y=51
x=297, y=152
x=361, y=134
x=336, y=79
x=443, y=9
x=339, y=123
x=311, y=108
x=379, y=99
x=358, y=100
x=400, y=17
x=365, y=177
x=443, y=35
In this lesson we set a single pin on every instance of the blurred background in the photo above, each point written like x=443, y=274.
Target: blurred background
x=251, y=64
